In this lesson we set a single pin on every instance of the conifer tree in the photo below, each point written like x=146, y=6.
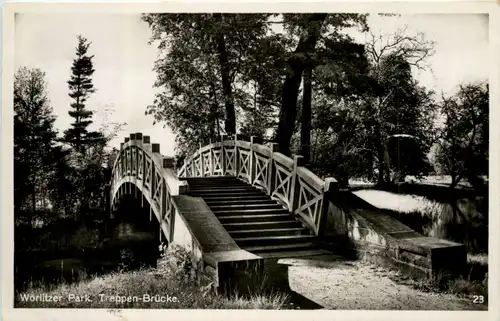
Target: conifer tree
x=81, y=87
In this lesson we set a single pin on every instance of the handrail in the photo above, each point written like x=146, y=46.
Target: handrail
x=284, y=179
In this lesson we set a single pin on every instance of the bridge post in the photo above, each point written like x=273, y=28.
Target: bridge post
x=330, y=188
x=138, y=138
x=223, y=154
x=146, y=141
x=193, y=168
x=252, y=161
x=202, y=163
x=211, y=157
x=133, y=162
x=127, y=163
x=236, y=158
x=294, y=186
x=168, y=162
x=155, y=149
x=168, y=213
x=270, y=173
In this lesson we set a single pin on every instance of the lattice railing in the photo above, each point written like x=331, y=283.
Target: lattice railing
x=141, y=164
x=281, y=177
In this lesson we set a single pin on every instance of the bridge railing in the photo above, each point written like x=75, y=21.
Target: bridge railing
x=141, y=163
x=283, y=178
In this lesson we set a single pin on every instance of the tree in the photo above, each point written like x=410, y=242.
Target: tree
x=93, y=173
x=463, y=145
x=202, y=68
x=395, y=103
x=81, y=87
x=34, y=139
x=311, y=28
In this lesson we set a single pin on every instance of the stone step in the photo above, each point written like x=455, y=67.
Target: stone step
x=227, y=192
x=221, y=189
x=269, y=232
x=222, y=183
x=249, y=211
x=255, y=221
x=211, y=178
x=247, y=198
x=294, y=253
x=261, y=249
x=272, y=240
x=241, y=207
x=241, y=201
x=254, y=218
x=215, y=183
x=231, y=193
x=262, y=225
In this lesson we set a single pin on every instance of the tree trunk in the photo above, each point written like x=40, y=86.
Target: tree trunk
x=384, y=174
x=387, y=161
x=230, y=121
x=305, y=129
x=380, y=156
x=296, y=65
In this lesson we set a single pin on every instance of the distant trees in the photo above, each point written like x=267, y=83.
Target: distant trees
x=463, y=145
x=351, y=109
x=367, y=107
x=63, y=176
x=34, y=140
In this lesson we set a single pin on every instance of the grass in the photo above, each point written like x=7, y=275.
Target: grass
x=464, y=286
x=165, y=288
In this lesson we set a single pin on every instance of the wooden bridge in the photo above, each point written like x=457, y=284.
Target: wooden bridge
x=234, y=204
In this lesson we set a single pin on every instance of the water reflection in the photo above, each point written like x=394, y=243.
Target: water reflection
x=126, y=249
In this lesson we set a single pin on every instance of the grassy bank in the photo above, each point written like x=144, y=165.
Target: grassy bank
x=469, y=286
x=141, y=289
x=167, y=287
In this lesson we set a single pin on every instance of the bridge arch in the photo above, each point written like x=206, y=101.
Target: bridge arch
x=141, y=167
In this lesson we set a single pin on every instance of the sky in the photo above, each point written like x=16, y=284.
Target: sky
x=124, y=60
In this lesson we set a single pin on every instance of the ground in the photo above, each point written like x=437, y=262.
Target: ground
x=334, y=283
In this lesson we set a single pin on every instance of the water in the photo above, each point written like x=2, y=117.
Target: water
x=462, y=219
x=44, y=269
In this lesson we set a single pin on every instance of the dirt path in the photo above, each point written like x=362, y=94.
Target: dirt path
x=335, y=283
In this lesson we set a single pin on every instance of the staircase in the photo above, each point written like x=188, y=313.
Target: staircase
x=257, y=223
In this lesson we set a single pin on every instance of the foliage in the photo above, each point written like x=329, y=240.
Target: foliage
x=204, y=65
x=53, y=181
x=34, y=144
x=312, y=29
x=463, y=142
x=370, y=114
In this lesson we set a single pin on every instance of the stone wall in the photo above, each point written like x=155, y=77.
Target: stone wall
x=353, y=224
x=214, y=253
